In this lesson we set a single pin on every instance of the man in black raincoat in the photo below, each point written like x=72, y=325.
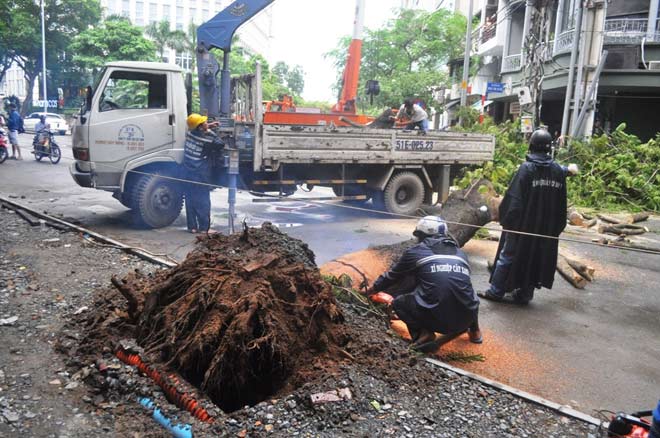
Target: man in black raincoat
x=431, y=283
x=535, y=202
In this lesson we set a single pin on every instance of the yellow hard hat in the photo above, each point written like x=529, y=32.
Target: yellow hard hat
x=194, y=120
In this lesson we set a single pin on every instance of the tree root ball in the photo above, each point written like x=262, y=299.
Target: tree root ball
x=240, y=316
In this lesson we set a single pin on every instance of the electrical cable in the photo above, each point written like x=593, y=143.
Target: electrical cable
x=403, y=216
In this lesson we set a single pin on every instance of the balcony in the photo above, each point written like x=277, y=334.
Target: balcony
x=564, y=42
x=629, y=31
x=511, y=63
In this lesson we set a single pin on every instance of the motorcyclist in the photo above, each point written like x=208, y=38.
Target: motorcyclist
x=41, y=128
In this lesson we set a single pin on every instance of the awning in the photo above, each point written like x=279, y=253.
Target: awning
x=477, y=105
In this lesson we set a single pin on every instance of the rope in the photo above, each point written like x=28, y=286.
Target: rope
x=397, y=215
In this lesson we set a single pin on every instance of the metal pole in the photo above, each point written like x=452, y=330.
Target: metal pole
x=571, y=71
x=225, y=87
x=466, y=60
x=587, y=99
x=653, y=20
x=43, y=54
x=585, y=47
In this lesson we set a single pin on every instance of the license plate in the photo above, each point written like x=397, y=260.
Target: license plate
x=414, y=145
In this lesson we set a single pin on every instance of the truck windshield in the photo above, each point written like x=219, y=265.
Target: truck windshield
x=134, y=90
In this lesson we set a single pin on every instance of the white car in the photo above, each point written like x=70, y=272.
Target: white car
x=57, y=122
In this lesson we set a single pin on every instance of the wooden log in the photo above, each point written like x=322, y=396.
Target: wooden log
x=637, y=217
x=569, y=273
x=590, y=223
x=627, y=244
x=608, y=219
x=622, y=229
x=585, y=271
x=575, y=218
x=476, y=205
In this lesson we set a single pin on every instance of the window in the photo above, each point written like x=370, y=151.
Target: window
x=205, y=14
x=179, y=18
x=193, y=15
x=183, y=60
x=125, y=8
x=205, y=4
x=139, y=13
x=129, y=90
x=153, y=13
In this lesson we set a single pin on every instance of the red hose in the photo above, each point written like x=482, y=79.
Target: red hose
x=180, y=399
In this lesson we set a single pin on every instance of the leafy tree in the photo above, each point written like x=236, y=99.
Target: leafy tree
x=6, y=53
x=64, y=20
x=164, y=37
x=113, y=40
x=292, y=77
x=408, y=55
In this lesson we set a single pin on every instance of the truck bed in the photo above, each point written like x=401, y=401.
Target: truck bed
x=314, y=144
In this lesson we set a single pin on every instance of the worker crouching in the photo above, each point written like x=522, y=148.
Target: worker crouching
x=432, y=286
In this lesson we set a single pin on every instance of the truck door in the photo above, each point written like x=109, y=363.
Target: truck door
x=130, y=117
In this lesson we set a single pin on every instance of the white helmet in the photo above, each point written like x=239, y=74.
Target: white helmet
x=430, y=226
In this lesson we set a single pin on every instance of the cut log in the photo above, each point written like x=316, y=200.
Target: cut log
x=627, y=244
x=569, y=273
x=608, y=219
x=637, y=217
x=584, y=270
x=476, y=205
x=590, y=223
x=575, y=218
x=622, y=229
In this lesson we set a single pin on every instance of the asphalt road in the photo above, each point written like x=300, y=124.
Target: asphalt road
x=596, y=348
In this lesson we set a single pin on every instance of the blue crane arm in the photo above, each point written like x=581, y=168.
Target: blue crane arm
x=217, y=33
x=219, y=30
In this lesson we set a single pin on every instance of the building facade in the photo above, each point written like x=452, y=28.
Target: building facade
x=256, y=35
x=521, y=41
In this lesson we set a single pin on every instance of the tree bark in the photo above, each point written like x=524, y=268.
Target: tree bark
x=569, y=274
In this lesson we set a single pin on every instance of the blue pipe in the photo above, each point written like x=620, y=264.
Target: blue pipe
x=179, y=430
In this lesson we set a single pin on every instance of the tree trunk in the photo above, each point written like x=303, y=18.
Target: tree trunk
x=29, y=84
x=476, y=206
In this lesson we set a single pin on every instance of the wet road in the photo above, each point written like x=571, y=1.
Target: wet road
x=597, y=348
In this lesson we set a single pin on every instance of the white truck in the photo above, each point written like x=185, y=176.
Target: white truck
x=130, y=134
x=129, y=138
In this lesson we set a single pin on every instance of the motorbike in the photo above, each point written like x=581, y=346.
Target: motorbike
x=3, y=147
x=44, y=145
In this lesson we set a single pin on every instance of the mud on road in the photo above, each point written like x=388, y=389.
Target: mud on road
x=55, y=283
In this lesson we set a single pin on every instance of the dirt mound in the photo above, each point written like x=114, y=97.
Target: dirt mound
x=240, y=317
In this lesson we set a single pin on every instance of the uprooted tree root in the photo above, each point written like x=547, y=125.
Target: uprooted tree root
x=239, y=316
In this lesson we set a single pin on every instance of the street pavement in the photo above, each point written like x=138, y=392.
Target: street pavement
x=596, y=348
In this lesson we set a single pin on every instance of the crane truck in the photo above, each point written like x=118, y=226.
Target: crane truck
x=129, y=136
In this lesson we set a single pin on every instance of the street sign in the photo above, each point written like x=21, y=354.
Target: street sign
x=495, y=87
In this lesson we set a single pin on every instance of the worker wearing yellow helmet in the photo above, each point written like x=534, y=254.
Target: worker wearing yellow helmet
x=201, y=146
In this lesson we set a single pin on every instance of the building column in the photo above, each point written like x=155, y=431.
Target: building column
x=507, y=36
x=558, y=20
x=653, y=20
x=529, y=6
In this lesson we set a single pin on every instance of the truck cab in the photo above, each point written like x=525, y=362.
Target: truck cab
x=129, y=136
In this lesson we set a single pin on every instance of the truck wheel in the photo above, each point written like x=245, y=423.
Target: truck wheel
x=404, y=193
x=156, y=201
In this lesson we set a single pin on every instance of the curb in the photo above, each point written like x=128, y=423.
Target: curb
x=561, y=409
x=139, y=252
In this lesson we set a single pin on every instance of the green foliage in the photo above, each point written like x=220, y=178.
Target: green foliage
x=617, y=170
x=64, y=20
x=115, y=39
x=275, y=82
x=408, y=55
x=164, y=38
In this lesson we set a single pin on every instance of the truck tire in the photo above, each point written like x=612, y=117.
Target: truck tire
x=404, y=193
x=157, y=202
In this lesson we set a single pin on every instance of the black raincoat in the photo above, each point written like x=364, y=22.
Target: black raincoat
x=431, y=283
x=535, y=202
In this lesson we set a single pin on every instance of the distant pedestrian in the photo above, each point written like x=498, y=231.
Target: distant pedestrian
x=15, y=127
x=535, y=202
x=414, y=115
x=201, y=142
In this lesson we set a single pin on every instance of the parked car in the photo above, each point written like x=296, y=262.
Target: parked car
x=57, y=122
